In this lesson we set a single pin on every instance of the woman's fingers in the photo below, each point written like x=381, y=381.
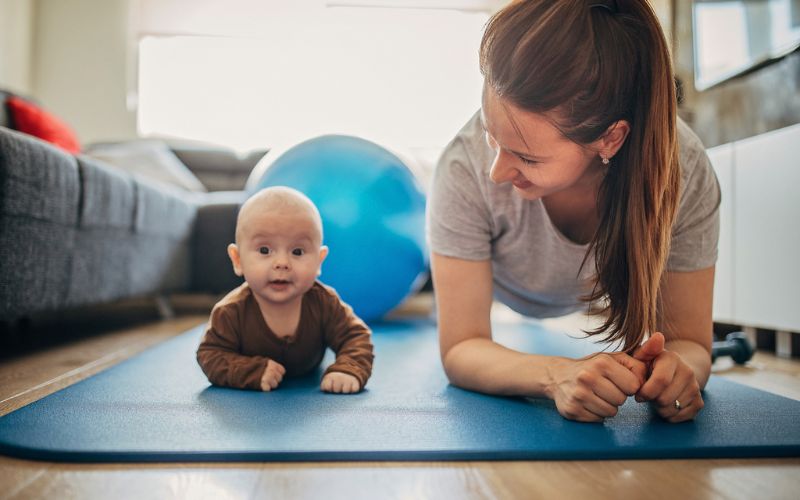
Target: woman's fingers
x=661, y=376
x=651, y=349
x=610, y=393
x=683, y=406
x=673, y=388
x=638, y=369
x=581, y=410
x=683, y=382
x=687, y=412
x=592, y=392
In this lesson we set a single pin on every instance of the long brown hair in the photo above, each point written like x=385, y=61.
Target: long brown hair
x=595, y=63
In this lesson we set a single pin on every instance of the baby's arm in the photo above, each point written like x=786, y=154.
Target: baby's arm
x=221, y=361
x=350, y=339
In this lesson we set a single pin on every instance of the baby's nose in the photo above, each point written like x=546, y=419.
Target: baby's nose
x=281, y=262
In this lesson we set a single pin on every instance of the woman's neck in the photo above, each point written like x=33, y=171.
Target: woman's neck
x=574, y=211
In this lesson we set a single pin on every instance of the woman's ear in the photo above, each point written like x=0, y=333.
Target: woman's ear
x=233, y=253
x=612, y=140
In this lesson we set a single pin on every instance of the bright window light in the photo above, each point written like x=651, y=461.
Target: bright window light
x=405, y=78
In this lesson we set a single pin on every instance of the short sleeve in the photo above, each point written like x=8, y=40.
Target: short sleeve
x=458, y=219
x=695, y=234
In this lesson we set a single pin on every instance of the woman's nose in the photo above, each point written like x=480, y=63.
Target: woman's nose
x=501, y=172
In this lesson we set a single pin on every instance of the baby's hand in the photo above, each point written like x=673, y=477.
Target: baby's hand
x=340, y=382
x=273, y=374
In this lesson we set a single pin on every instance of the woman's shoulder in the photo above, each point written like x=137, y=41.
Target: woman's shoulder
x=691, y=152
x=468, y=148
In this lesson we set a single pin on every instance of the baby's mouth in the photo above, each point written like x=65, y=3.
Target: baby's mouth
x=279, y=284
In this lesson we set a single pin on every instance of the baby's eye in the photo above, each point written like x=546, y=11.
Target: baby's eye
x=298, y=252
x=264, y=250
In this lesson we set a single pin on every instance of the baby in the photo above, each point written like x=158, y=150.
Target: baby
x=279, y=322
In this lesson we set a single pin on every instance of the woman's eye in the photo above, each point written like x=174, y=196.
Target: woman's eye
x=298, y=252
x=264, y=250
x=527, y=161
x=489, y=140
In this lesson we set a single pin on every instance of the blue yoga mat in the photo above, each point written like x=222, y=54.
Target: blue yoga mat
x=159, y=407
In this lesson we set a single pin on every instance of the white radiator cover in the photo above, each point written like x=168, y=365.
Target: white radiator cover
x=758, y=272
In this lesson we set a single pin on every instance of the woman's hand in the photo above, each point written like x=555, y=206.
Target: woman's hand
x=671, y=385
x=593, y=388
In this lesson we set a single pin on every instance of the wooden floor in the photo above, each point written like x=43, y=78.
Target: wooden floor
x=26, y=377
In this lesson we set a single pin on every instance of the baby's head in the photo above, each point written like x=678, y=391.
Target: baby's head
x=278, y=245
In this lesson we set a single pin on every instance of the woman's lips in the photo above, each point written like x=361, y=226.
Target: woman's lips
x=521, y=184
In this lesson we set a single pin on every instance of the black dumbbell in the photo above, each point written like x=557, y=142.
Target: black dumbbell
x=736, y=345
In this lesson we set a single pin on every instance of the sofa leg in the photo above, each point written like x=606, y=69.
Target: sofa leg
x=165, y=310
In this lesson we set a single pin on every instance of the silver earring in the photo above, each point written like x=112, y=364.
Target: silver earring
x=604, y=160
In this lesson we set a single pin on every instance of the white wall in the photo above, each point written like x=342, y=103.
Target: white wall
x=16, y=42
x=81, y=65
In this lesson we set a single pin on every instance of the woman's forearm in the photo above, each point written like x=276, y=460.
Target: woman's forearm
x=694, y=355
x=482, y=365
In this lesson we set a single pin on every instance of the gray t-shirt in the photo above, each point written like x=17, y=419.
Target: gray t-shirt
x=535, y=267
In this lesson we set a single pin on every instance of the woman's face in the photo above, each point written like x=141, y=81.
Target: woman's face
x=532, y=154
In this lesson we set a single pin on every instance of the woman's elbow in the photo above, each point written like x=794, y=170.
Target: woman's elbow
x=450, y=357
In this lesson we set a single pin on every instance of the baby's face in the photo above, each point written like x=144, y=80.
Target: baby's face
x=280, y=254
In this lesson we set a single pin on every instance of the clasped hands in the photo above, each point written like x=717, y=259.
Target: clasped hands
x=593, y=388
x=332, y=382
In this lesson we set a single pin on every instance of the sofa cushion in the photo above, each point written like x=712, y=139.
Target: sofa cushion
x=134, y=237
x=30, y=167
x=34, y=265
x=109, y=196
x=148, y=158
x=218, y=168
x=31, y=119
x=163, y=223
x=161, y=210
x=38, y=231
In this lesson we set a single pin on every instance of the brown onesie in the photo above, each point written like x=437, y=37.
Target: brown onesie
x=238, y=343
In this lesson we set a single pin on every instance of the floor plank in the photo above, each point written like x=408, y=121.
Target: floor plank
x=28, y=377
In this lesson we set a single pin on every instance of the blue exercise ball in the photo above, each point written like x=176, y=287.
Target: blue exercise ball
x=373, y=216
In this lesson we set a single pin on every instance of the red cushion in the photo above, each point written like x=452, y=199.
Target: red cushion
x=31, y=119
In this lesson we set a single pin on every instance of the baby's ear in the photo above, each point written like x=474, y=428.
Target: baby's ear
x=323, y=252
x=233, y=253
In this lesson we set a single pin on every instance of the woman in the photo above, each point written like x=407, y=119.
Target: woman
x=576, y=185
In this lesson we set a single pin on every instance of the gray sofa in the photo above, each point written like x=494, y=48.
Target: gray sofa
x=75, y=232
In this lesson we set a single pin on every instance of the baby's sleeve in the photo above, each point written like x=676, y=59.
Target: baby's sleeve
x=218, y=354
x=349, y=337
